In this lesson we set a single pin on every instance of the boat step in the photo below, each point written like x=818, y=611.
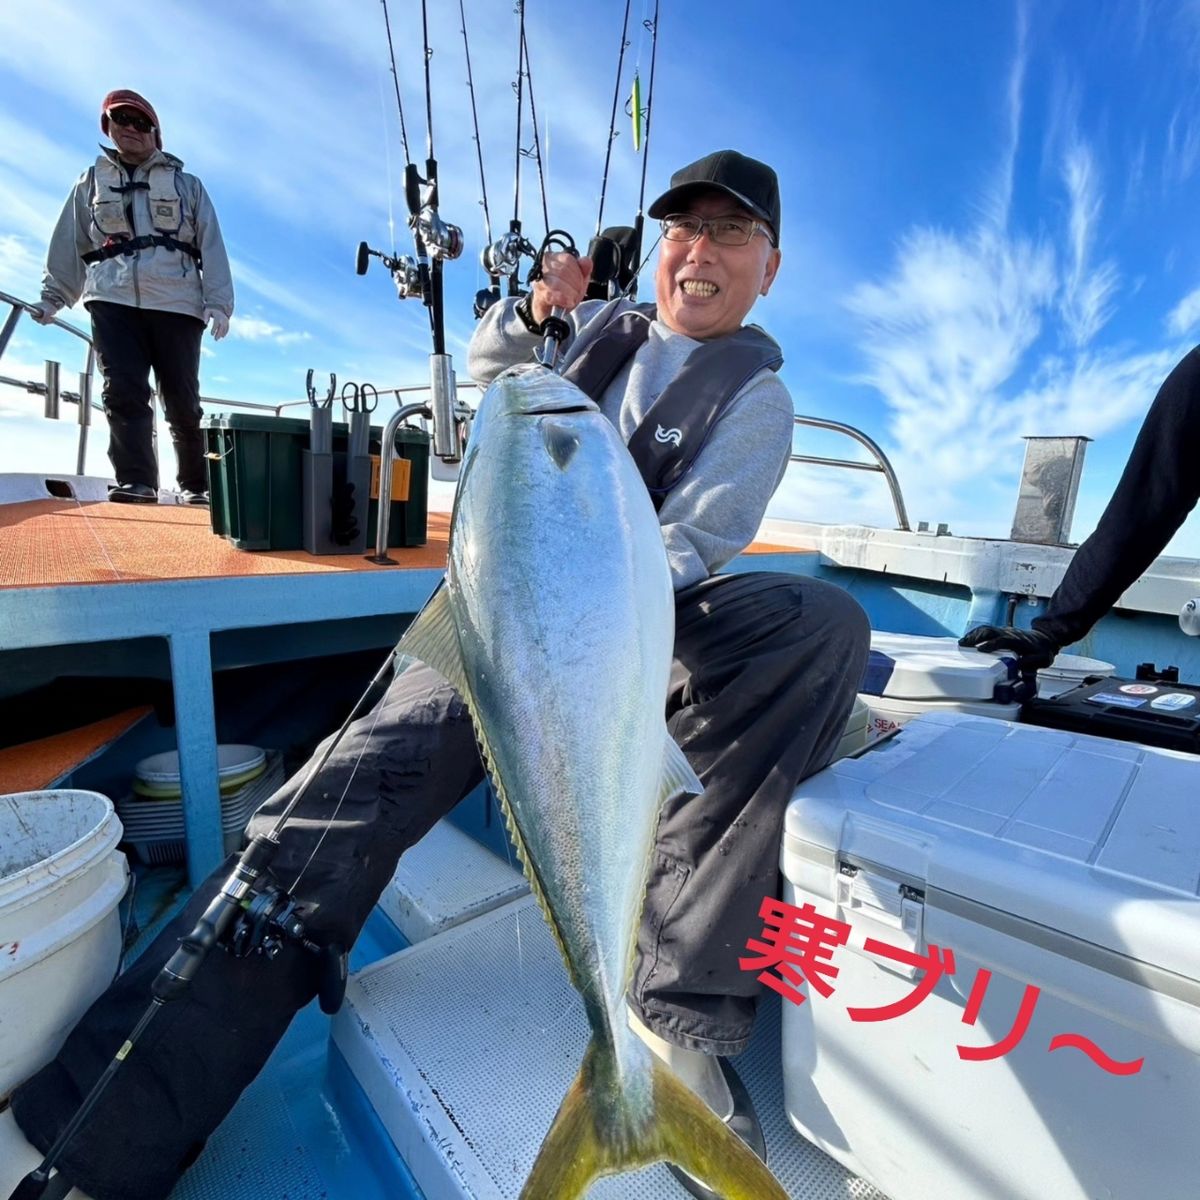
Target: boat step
x=465, y=1045
x=445, y=879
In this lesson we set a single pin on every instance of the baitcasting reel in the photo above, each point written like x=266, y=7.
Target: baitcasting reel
x=403, y=267
x=503, y=256
x=441, y=239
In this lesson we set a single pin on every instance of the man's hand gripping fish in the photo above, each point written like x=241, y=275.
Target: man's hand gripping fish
x=556, y=625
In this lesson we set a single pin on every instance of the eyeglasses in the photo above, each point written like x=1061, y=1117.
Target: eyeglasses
x=725, y=231
x=131, y=119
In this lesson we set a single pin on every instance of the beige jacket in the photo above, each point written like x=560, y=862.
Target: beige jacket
x=154, y=277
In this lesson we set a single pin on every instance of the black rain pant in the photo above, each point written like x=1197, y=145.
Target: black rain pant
x=129, y=343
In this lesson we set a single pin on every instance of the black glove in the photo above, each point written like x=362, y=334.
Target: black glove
x=1033, y=649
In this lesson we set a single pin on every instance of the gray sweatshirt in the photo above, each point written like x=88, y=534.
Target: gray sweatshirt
x=157, y=277
x=715, y=510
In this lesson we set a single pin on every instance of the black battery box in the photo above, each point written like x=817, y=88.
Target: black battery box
x=1154, y=709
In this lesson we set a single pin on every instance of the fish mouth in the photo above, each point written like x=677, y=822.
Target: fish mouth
x=533, y=391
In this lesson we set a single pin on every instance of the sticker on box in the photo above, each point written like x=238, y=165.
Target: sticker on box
x=1114, y=699
x=1138, y=689
x=1173, y=701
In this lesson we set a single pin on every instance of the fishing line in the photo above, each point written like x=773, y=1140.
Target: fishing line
x=397, y=670
x=653, y=27
x=487, y=219
x=428, y=89
x=518, y=86
x=639, y=222
x=387, y=158
x=396, y=79
x=612, y=121
x=632, y=284
x=537, y=148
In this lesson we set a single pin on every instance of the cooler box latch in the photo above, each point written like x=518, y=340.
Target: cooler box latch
x=876, y=906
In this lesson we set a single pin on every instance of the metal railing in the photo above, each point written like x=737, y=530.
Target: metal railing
x=49, y=388
x=881, y=465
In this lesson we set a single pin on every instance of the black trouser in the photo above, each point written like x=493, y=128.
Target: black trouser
x=129, y=342
x=766, y=670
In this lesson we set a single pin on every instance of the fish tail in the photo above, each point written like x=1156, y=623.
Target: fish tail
x=681, y=1129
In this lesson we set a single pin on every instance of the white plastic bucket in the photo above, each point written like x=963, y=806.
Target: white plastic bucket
x=1068, y=671
x=61, y=879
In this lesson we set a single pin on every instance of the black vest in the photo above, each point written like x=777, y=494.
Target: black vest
x=676, y=426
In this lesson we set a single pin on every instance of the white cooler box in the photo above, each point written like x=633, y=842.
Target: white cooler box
x=1049, y=858
x=908, y=674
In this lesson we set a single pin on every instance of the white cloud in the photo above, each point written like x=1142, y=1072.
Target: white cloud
x=999, y=202
x=255, y=329
x=1087, y=291
x=1184, y=316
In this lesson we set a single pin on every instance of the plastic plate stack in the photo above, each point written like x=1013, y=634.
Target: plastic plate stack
x=153, y=813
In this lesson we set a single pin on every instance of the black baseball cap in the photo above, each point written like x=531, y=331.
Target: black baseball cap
x=751, y=183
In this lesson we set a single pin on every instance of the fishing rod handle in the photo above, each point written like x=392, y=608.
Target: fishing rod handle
x=555, y=331
x=180, y=970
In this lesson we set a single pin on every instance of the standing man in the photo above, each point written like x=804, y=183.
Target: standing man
x=138, y=240
x=765, y=672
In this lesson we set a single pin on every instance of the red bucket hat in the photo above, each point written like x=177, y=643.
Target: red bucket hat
x=124, y=98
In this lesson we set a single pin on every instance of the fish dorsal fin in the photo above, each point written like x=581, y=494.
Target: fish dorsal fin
x=433, y=638
x=677, y=774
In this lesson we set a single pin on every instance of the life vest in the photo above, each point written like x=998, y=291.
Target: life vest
x=677, y=424
x=110, y=188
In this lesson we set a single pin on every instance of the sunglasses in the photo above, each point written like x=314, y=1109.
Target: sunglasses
x=131, y=119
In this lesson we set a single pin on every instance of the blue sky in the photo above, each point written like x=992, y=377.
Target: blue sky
x=989, y=210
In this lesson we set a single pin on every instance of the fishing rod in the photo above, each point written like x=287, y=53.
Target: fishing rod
x=612, y=120
x=639, y=221
x=537, y=145
x=616, y=251
x=485, y=297
x=435, y=242
x=503, y=256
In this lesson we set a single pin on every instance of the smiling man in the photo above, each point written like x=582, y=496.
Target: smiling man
x=766, y=665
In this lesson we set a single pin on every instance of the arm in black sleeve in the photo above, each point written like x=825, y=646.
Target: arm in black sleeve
x=1156, y=491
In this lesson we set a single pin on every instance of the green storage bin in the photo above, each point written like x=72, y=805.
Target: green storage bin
x=255, y=481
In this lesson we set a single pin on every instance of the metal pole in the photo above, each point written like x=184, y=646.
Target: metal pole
x=50, y=409
x=85, y=416
x=387, y=455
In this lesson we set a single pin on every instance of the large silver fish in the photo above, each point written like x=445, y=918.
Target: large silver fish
x=556, y=625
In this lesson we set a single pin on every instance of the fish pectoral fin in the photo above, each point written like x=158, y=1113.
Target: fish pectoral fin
x=682, y=1129
x=677, y=774
x=433, y=638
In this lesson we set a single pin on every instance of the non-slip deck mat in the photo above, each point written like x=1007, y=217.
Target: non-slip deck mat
x=47, y=542
x=466, y=1044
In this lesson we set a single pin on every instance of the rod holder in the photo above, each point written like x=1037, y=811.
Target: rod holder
x=53, y=391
